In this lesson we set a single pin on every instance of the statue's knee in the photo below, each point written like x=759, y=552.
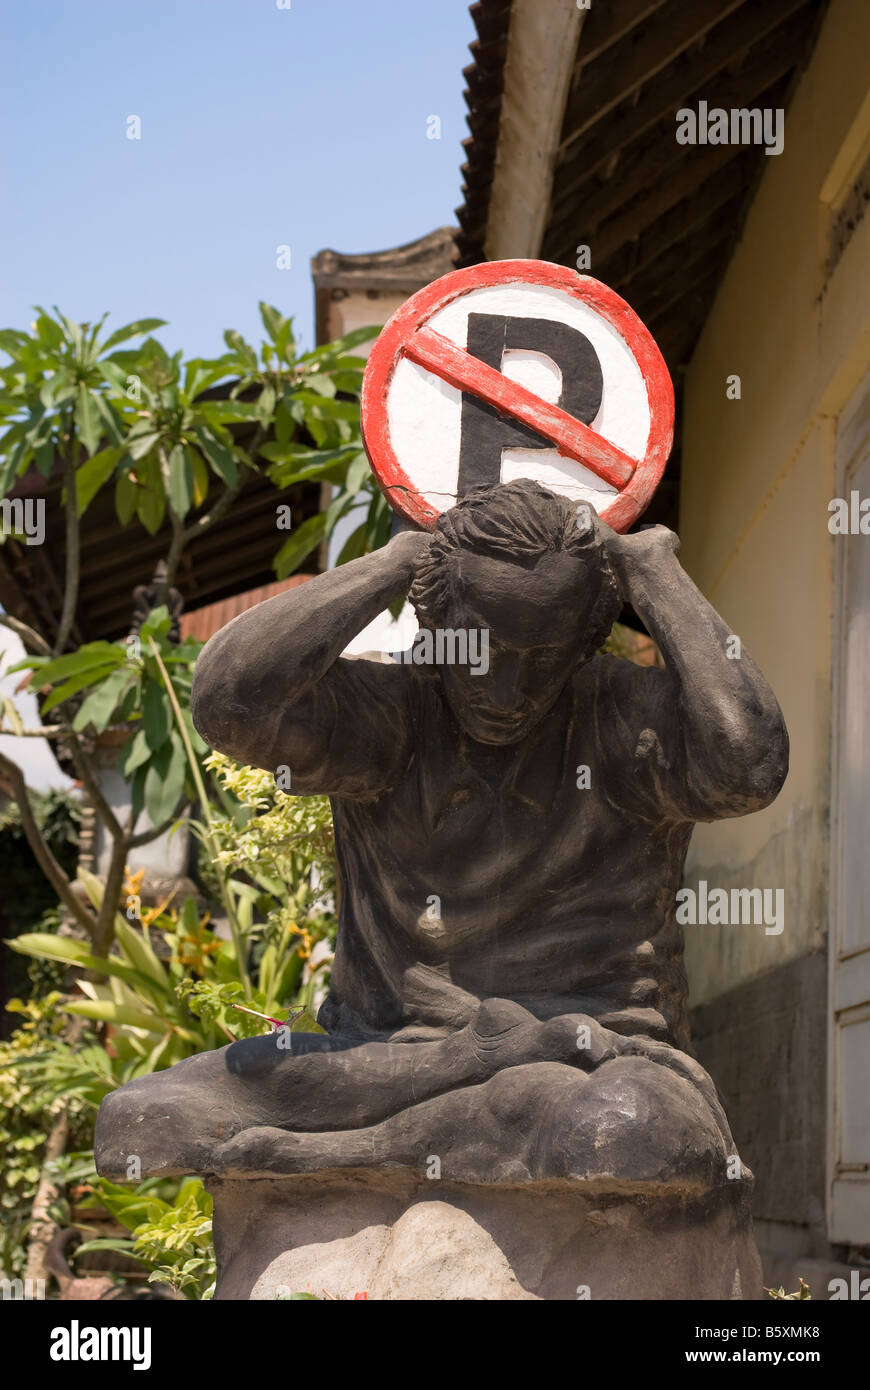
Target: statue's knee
x=523, y=1095
x=638, y=1121
x=162, y=1123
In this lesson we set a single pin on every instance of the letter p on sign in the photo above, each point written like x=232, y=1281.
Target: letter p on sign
x=517, y=369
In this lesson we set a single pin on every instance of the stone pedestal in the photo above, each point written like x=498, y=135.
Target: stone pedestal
x=390, y=1235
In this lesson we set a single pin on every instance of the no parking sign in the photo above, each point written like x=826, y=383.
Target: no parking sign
x=517, y=369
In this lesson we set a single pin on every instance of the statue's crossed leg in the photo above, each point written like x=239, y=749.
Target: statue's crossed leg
x=508, y=1096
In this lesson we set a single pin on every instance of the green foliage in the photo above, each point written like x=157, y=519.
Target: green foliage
x=121, y=682
x=173, y=1238
x=163, y=432
x=227, y=1006
x=170, y=438
x=57, y=394
x=167, y=990
x=276, y=856
x=28, y=898
x=26, y=1117
x=151, y=1026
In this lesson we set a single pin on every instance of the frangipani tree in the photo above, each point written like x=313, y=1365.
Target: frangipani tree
x=175, y=440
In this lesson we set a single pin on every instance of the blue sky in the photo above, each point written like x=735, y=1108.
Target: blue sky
x=260, y=127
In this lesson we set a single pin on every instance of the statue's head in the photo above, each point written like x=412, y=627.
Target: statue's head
x=530, y=569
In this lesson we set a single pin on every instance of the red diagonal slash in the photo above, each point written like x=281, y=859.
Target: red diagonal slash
x=572, y=438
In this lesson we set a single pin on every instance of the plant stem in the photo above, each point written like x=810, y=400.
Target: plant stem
x=208, y=827
x=71, y=591
x=41, y=849
x=111, y=897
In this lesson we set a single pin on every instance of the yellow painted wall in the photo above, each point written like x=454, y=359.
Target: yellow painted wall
x=758, y=474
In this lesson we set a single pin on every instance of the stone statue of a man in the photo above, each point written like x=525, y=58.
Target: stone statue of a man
x=508, y=989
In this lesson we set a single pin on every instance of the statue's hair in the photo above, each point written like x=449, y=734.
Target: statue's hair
x=518, y=522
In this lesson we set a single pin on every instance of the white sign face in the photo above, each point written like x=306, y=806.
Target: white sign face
x=536, y=373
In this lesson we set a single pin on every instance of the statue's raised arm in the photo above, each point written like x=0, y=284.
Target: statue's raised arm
x=710, y=733
x=272, y=690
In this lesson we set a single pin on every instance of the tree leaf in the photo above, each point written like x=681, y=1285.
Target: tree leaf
x=87, y=658
x=73, y=686
x=321, y=384
x=126, y=497
x=132, y=330
x=180, y=481
x=124, y=1247
x=137, y=793
x=355, y=545
x=199, y=744
x=236, y=343
x=156, y=716
x=87, y=419
x=57, y=388
x=164, y=779
x=357, y=473
x=229, y=412
x=134, y=754
x=218, y=454
x=47, y=946
x=12, y=340
x=107, y=1011
x=44, y=457
x=151, y=497
x=151, y=509
x=141, y=957
x=74, y=331
x=99, y=707
x=47, y=330
x=138, y=445
x=327, y=408
x=110, y=420
x=200, y=475
x=299, y=545
x=200, y=374
x=10, y=468
x=284, y=426
x=273, y=321
x=91, y=475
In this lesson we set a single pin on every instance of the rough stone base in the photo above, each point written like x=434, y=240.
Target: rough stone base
x=386, y=1235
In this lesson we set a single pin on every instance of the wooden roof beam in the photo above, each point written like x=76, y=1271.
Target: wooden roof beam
x=609, y=23
x=649, y=291
x=658, y=298
x=680, y=327
x=683, y=83
x=669, y=180
x=653, y=157
x=630, y=63
x=664, y=239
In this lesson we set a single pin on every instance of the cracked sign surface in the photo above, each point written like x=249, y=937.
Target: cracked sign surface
x=517, y=369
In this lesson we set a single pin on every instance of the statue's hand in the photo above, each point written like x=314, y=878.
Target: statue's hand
x=412, y=545
x=638, y=553
x=409, y=548
x=581, y=1041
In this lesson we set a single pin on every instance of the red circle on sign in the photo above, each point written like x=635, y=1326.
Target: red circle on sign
x=406, y=334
